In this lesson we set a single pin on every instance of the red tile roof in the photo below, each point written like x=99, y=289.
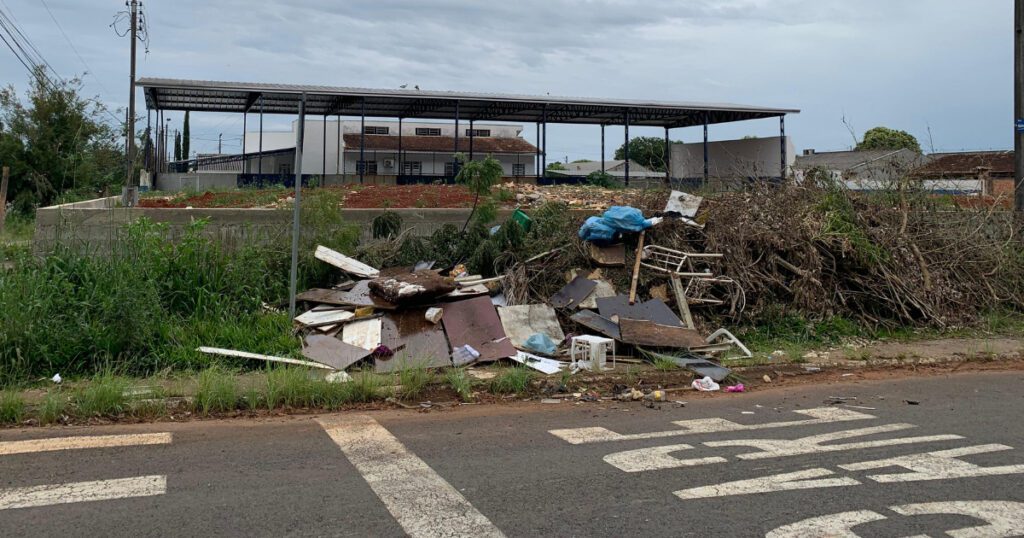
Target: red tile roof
x=999, y=163
x=445, y=144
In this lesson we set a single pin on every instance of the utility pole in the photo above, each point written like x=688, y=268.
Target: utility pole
x=130, y=130
x=1018, y=100
x=6, y=174
x=220, y=140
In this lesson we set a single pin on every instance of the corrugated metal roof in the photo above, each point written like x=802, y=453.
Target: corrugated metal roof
x=237, y=97
x=845, y=160
x=998, y=163
x=481, y=145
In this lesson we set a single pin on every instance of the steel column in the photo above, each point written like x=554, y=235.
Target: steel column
x=259, y=169
x=324, y=174
x=706, y=170
x=400, y=169
x=149, y=140
x=455, y=162
x=536, y=160
x=296, y=229
x=602, y=147
x=361, y=165
x=338, y=144
x=782, y=142
x=245, y=123
x=471, y=133
x=544, y=148
x=625, y=115
x=667, y=158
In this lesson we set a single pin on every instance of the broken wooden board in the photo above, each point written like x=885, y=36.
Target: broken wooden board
x=522, y=322
x=612, y=256
x=349, y=265
x=257, y=356
x=359, y=296
x=573, y=293
x=332, y=352
x=321, y=318
x=603, y=289
x=474, y=290
x=541, y=364
x=475, y=322
x=648, y=333
x=684, y=204
x=654, y=310
x=595, y=322
x=364, y=333
x=409, y=288
x=417, y=341
x=322, y=296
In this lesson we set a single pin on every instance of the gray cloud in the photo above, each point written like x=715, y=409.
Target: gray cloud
x=913, y=64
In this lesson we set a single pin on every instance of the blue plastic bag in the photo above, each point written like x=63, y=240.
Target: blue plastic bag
x=541, y=344
x=625, y=219
x=595, y=230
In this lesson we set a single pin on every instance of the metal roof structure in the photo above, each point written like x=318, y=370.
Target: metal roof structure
x=241, y=97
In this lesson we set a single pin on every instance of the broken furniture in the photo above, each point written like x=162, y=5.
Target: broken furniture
x=593, y=351
x=678, y=265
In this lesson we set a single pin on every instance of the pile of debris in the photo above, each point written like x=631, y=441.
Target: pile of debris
x=422, y=317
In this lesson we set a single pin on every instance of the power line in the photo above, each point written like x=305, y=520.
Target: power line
x=88, y=68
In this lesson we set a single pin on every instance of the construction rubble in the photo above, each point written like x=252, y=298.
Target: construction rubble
x=391, y=318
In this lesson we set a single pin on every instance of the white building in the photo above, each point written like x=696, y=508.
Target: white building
x=423, y=149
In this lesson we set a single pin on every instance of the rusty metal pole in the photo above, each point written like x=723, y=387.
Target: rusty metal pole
x=1018, y=99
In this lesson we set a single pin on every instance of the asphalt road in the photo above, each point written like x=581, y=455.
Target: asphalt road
x=492, y=471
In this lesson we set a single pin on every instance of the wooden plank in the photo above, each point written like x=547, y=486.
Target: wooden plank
x=595, y=322
x=648, y=333
x=636, y=267
x=475, y=322
x=416, y=341
x=321, y=318
x=363, y=333
x=332, y=352
x=349, y=265
x=258, y=357
x=573, y=293
x=613, y=256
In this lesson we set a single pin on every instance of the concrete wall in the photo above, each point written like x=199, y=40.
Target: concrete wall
x=95, y=225
x=432, y=164
x=197, y=181
x=732, y=159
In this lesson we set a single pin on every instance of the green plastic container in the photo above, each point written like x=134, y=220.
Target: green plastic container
x=522, y=219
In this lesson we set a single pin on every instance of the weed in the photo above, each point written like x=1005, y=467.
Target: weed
x=291, y=387
x=366, y=387
x=52, y=408
x=513, y=380
x=12, y=407
x=460, y=382
x=103, y=396
x=414, y=380
x=217, y=391
x=630, y=376
x=504, y=195
x=663, y=364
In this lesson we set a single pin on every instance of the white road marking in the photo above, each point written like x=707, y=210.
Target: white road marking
x=778, y=448
x=76, y=443
x=833, y=526
x=656, y=458
x=939, y=465
x=100, y=490
x=422, y=502
x=1004, y=518
x=821, y=415
x=808, y=479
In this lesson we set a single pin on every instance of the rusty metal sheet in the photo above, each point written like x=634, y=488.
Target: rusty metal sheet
x=613, y=256
x=417, y=342
x=522, y=322
x=654, y=310
x=595, y=322
x=573, y=293
x=332, y=352
x=359, y=296
x=648, y=333
x=475, y=322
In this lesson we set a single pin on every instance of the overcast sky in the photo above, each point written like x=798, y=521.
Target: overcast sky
x=943, y=66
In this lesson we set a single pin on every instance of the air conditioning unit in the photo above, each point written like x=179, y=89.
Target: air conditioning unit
x=389, y=163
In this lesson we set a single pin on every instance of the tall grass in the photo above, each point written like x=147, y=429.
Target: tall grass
x=104, y=396
x=217, y=391
x=12, y=407
x=514, y=380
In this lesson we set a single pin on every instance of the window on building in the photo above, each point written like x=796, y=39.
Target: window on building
x=478, y=132
x=376, y=130
x=412, y=168
x=284, y=169
x=449, y=168
x=428, y=131
x=366, y=167
x=518, y=169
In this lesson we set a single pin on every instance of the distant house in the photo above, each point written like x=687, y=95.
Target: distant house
x=859, y=170
x=990, y=173
x=615, y=168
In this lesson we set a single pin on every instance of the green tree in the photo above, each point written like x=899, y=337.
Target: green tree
x=478, y=177
x=648, y=151
x=557, y=165
x=177, y=146
x=886, y=138
x=57, y=141
x=186, y=137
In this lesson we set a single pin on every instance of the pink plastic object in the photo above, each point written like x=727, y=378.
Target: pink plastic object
x=736, y=388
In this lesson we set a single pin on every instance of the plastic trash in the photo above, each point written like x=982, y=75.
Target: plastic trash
x=656, y=396
x=596, y=231
x=464, y=355
x=705, y=385
x=736, y=388
x=625, y=219
x=338, y=377
x=57, y=379
x=541, y=343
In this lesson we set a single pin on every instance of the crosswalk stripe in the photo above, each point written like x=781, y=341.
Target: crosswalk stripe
x=100, y=490
x=75, y=443
x=422, y=502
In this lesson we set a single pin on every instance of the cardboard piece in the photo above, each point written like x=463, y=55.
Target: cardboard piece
x=648, y=333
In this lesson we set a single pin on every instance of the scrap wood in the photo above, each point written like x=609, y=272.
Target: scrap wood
x=332, y=352
x=611, y=256
x=359, y=296
x=349, y=265
x=522, y=322
x=649, y=333
x=416, y=341
x=317, y=318
x=256, y=356
x=595, y=322
x=365, y=333
x=573, y=293
x=412, y=287
x=653, y=310
x=636, y=267
x=603, y=289
x=475, y=322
